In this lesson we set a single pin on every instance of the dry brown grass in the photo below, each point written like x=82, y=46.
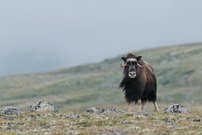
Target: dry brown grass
x=104, y=123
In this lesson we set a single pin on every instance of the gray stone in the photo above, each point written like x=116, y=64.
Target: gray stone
x=176, y=108
x=10, y=110
x=43, y=106
x=93, y=110
x=103, y=110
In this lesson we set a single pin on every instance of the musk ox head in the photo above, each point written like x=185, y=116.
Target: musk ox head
x=131, y=65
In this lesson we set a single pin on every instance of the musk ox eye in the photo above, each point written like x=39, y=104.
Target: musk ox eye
x=128, y=63
x=134, y=63
x=131, y=63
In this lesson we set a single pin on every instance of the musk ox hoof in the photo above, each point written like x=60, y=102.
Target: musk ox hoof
x=10, y=110
x=176, y=108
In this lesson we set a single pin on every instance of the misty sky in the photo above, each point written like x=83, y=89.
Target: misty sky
x=44, y=35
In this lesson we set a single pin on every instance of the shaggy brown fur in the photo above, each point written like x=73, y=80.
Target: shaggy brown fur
x=143, y=87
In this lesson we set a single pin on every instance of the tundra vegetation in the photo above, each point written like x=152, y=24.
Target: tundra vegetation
x=73, y=90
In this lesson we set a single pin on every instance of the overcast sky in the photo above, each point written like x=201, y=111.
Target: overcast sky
x=44, y=35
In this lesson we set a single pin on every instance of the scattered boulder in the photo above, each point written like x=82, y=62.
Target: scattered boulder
x=43, y=106
x=10, y=110
x=103, y=110
x=93, y=110
x=176, y=108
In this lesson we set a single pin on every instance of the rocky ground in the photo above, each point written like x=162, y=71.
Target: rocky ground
x=101, y=121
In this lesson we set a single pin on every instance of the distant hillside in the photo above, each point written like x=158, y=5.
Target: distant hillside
x=178, y=70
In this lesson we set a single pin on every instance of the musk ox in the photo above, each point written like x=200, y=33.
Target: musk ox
x=139, y=82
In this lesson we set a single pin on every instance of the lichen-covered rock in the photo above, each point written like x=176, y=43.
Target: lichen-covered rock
x=93, y=110
x=103, y=110
x=10, y=110
x=176, y=108
x=43, y=106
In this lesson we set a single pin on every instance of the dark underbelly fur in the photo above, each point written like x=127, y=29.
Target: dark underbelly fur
x=135, y=91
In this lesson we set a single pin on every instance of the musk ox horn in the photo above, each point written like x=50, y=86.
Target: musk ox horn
x=139, y=65
x=122, y=65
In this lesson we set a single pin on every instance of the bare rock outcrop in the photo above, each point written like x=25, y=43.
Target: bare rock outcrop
x=43, y=106
x=10, y=110
x=176, y=108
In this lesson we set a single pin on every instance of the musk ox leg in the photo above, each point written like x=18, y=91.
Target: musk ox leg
x=156, y=106
x=143, y=104
x=129, y=107
x=139, y=103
